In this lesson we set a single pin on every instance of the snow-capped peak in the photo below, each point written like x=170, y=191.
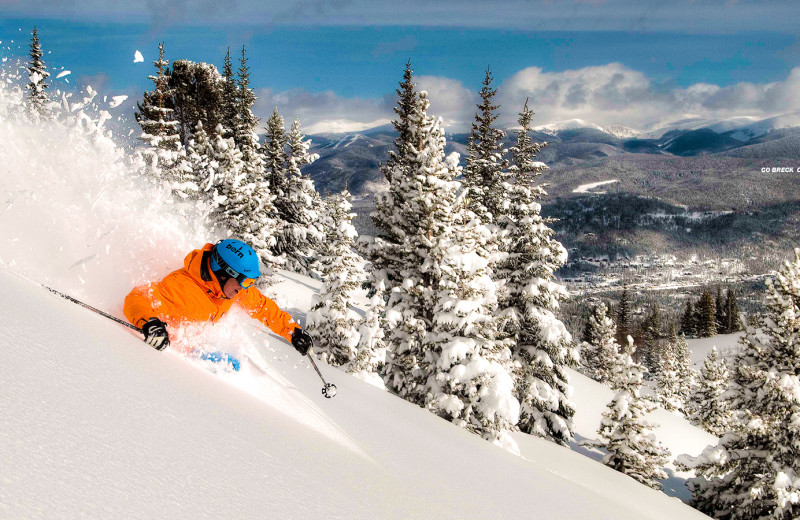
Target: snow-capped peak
x=623, y=132
x=571, y=124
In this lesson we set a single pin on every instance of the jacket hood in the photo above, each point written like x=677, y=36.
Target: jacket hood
x=194, y=264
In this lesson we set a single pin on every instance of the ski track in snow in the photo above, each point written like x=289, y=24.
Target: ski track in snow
x=586, y=188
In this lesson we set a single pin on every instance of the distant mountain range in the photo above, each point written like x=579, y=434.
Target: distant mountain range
x=619, y=191
x=575, y=145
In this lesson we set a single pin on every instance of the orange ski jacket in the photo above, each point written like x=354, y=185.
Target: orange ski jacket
x=193, y=294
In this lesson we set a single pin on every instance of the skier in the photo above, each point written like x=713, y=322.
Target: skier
x=212, y=280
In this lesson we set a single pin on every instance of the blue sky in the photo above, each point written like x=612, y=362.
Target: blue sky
x=336, y=64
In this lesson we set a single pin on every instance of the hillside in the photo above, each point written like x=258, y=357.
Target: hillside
x=103, y=426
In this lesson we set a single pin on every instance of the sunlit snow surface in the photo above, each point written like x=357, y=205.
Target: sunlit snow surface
x=94, y=423
x=587, y=188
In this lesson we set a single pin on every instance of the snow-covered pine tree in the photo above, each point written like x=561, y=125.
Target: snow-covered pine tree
x=734, y=319
x=706, y=316
x=541, y=347
x=230, y=97
x=202, y=159
x=426, y=183
x=233, y=213
x=262, y=225
x=196, y=95
x=332, y=322
x=38, y=101
x=623, y=318
x=442, y=352
x=754, y=471
x=651, y=347
x=708, y=408
x=165, y=156
x=600, y=349
x=371, y=348
x=628, y=438
x=675, y=378
x=385, y=250
x=301, y=233
x=486, y=170
x=244, y=133
x=688, y=320
x=720, y=318
x=275, y=160
x=469, y=382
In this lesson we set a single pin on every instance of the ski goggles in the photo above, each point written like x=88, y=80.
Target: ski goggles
x=218, y=264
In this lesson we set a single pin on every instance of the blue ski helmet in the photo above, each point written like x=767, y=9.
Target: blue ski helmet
x=235, y=259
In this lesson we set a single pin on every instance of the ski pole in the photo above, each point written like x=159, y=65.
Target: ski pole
x=329, y=390
x=87, y=306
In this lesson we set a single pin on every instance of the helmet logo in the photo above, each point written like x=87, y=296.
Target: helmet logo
x=237, y=251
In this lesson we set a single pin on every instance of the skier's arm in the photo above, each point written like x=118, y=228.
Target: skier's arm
x=267, y=312
x=149, y=301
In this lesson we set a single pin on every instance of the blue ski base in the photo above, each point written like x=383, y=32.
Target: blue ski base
x=221, y=357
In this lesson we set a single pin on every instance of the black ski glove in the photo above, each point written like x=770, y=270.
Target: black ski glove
x=155, y=334
x=301, y=341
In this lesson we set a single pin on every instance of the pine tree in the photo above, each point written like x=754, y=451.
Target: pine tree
x=202, y=159
x=720, y=318
x=541, y=346
x=37, y=76
x=600, y=349
x=624, y=328
x=332, y=322
x=261, y=227
x=371, y=348
x=706, y=314
x=469, y=383
x=233, y=213
x=385, y=250
x=688, y=320
x=734, y=319
x=486, y=169
x=429, y=204
x=632, y=448
x=197, y=96
x=301, y=232
x=753, y=471
x=275, y=161
x=675, y=379
x=165, y=155
x=708, y=408
x=230, y=97
x=651, y=340
x=440, y=327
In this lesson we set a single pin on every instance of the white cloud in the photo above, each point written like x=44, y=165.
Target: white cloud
x=450, y=100
x=606, y=95
x=617, y=95
x=321, y=112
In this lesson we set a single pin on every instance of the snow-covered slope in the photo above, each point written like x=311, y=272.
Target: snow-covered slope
x=97, y=424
